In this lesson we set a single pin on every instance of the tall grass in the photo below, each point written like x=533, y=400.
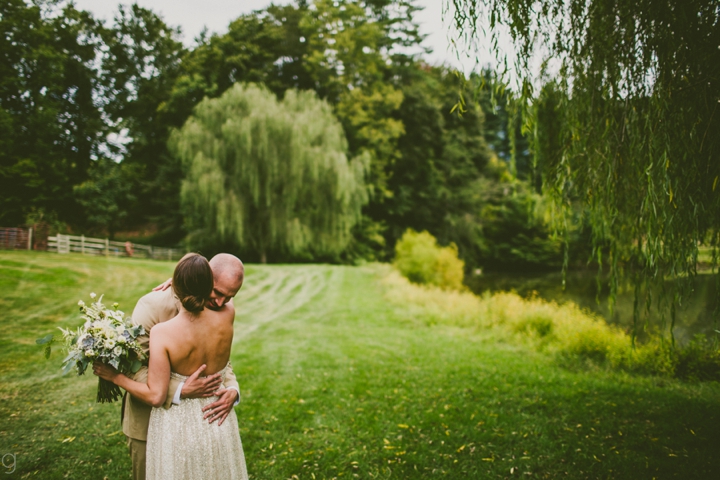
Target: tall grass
x=573, y=336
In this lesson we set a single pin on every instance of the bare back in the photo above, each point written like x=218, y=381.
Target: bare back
x=192, y=341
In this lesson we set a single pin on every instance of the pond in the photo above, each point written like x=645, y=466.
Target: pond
x=697, y=314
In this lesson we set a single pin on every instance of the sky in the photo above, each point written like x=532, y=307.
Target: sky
x=193, y=15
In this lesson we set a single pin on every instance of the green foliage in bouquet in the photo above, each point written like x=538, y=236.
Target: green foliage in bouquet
x=107, y=337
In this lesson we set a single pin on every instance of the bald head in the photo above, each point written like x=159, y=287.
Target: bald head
x=224, y=264
x=228, y=275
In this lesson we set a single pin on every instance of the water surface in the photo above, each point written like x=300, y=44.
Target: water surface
x=698, y=313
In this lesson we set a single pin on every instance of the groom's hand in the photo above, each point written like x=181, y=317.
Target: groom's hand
x=163, y=286
x=220, y=409
x=196, y=386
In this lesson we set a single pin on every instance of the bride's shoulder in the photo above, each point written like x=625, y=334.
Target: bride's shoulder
x=227, y=311
x=161, y=330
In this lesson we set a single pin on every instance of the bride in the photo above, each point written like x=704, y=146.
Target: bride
x=181, y=444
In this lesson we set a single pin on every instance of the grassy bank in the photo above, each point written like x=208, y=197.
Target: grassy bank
x=572, y=336
x=340, y=382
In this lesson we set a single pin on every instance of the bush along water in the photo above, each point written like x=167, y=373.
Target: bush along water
x=423, y=261
x=572, y=336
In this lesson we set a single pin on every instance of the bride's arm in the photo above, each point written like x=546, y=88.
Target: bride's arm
x=155, y=391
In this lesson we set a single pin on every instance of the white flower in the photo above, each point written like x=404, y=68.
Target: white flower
x=109, y=343
x=120, y=329
x=90, y=352
x=102, y=326
x=81, y=303
x=121, y=340
x=93, y=295
x=117, y=351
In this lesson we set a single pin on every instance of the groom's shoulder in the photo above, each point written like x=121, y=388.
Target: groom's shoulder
x=159, y=298
x=155, y=307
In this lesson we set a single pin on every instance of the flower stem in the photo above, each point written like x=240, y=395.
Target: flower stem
x=108, y=392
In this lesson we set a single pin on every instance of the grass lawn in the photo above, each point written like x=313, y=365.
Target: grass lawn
x=338, y=383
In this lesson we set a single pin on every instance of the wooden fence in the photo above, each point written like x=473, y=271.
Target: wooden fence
x=16, y=238
x=102, y=246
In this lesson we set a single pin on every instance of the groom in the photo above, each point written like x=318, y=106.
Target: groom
x=161, y=305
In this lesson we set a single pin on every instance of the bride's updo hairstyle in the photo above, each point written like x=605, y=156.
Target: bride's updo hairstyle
x=193, y=282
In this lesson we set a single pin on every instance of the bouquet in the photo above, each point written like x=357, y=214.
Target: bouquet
x=107, y=337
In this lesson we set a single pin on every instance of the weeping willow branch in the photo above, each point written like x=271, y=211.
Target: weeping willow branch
x=627, y=124
x=270, y=176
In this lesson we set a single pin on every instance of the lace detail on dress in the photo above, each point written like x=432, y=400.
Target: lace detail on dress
x=182, y=445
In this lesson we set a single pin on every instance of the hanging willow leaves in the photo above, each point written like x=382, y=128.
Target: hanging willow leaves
x=270, y=177
x=636, y=102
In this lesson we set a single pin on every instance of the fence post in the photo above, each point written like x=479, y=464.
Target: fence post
x=82, y=244
x=151, y=253
x=30, y=238
x=107, y=247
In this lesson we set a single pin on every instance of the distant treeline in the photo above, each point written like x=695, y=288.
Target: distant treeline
x=87, y=108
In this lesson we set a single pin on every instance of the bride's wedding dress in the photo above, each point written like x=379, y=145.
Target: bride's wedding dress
x=181, y=444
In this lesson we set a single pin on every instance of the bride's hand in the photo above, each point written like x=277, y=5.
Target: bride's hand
x=105, y=371
x=198, y=387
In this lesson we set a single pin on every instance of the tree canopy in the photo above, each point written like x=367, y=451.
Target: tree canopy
x=87, y=108
x=49, y=126
x=269, y=176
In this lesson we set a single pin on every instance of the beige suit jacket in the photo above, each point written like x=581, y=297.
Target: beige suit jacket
x=153, y=308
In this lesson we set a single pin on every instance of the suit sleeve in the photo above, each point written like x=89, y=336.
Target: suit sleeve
x=231, y=380
x=150, y=310
x=144, y=314
x=172, y=388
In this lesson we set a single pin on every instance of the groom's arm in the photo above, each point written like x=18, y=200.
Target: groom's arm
x=232, y=383
x=173, y=393
x=150, y=310
x=194, y=387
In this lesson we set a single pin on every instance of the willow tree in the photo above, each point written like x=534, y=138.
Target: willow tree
x=271, y=177
x=633, y=107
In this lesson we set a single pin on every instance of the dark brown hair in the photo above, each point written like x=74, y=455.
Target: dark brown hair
x=193, y=282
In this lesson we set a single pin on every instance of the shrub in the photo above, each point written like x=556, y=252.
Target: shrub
x=419, y=258
x=540, y=325
x=700, y=360
x=431, y=304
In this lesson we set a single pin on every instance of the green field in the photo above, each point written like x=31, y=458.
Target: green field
x=338, y=383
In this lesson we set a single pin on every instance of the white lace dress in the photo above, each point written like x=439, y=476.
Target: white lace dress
x=181, y=444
